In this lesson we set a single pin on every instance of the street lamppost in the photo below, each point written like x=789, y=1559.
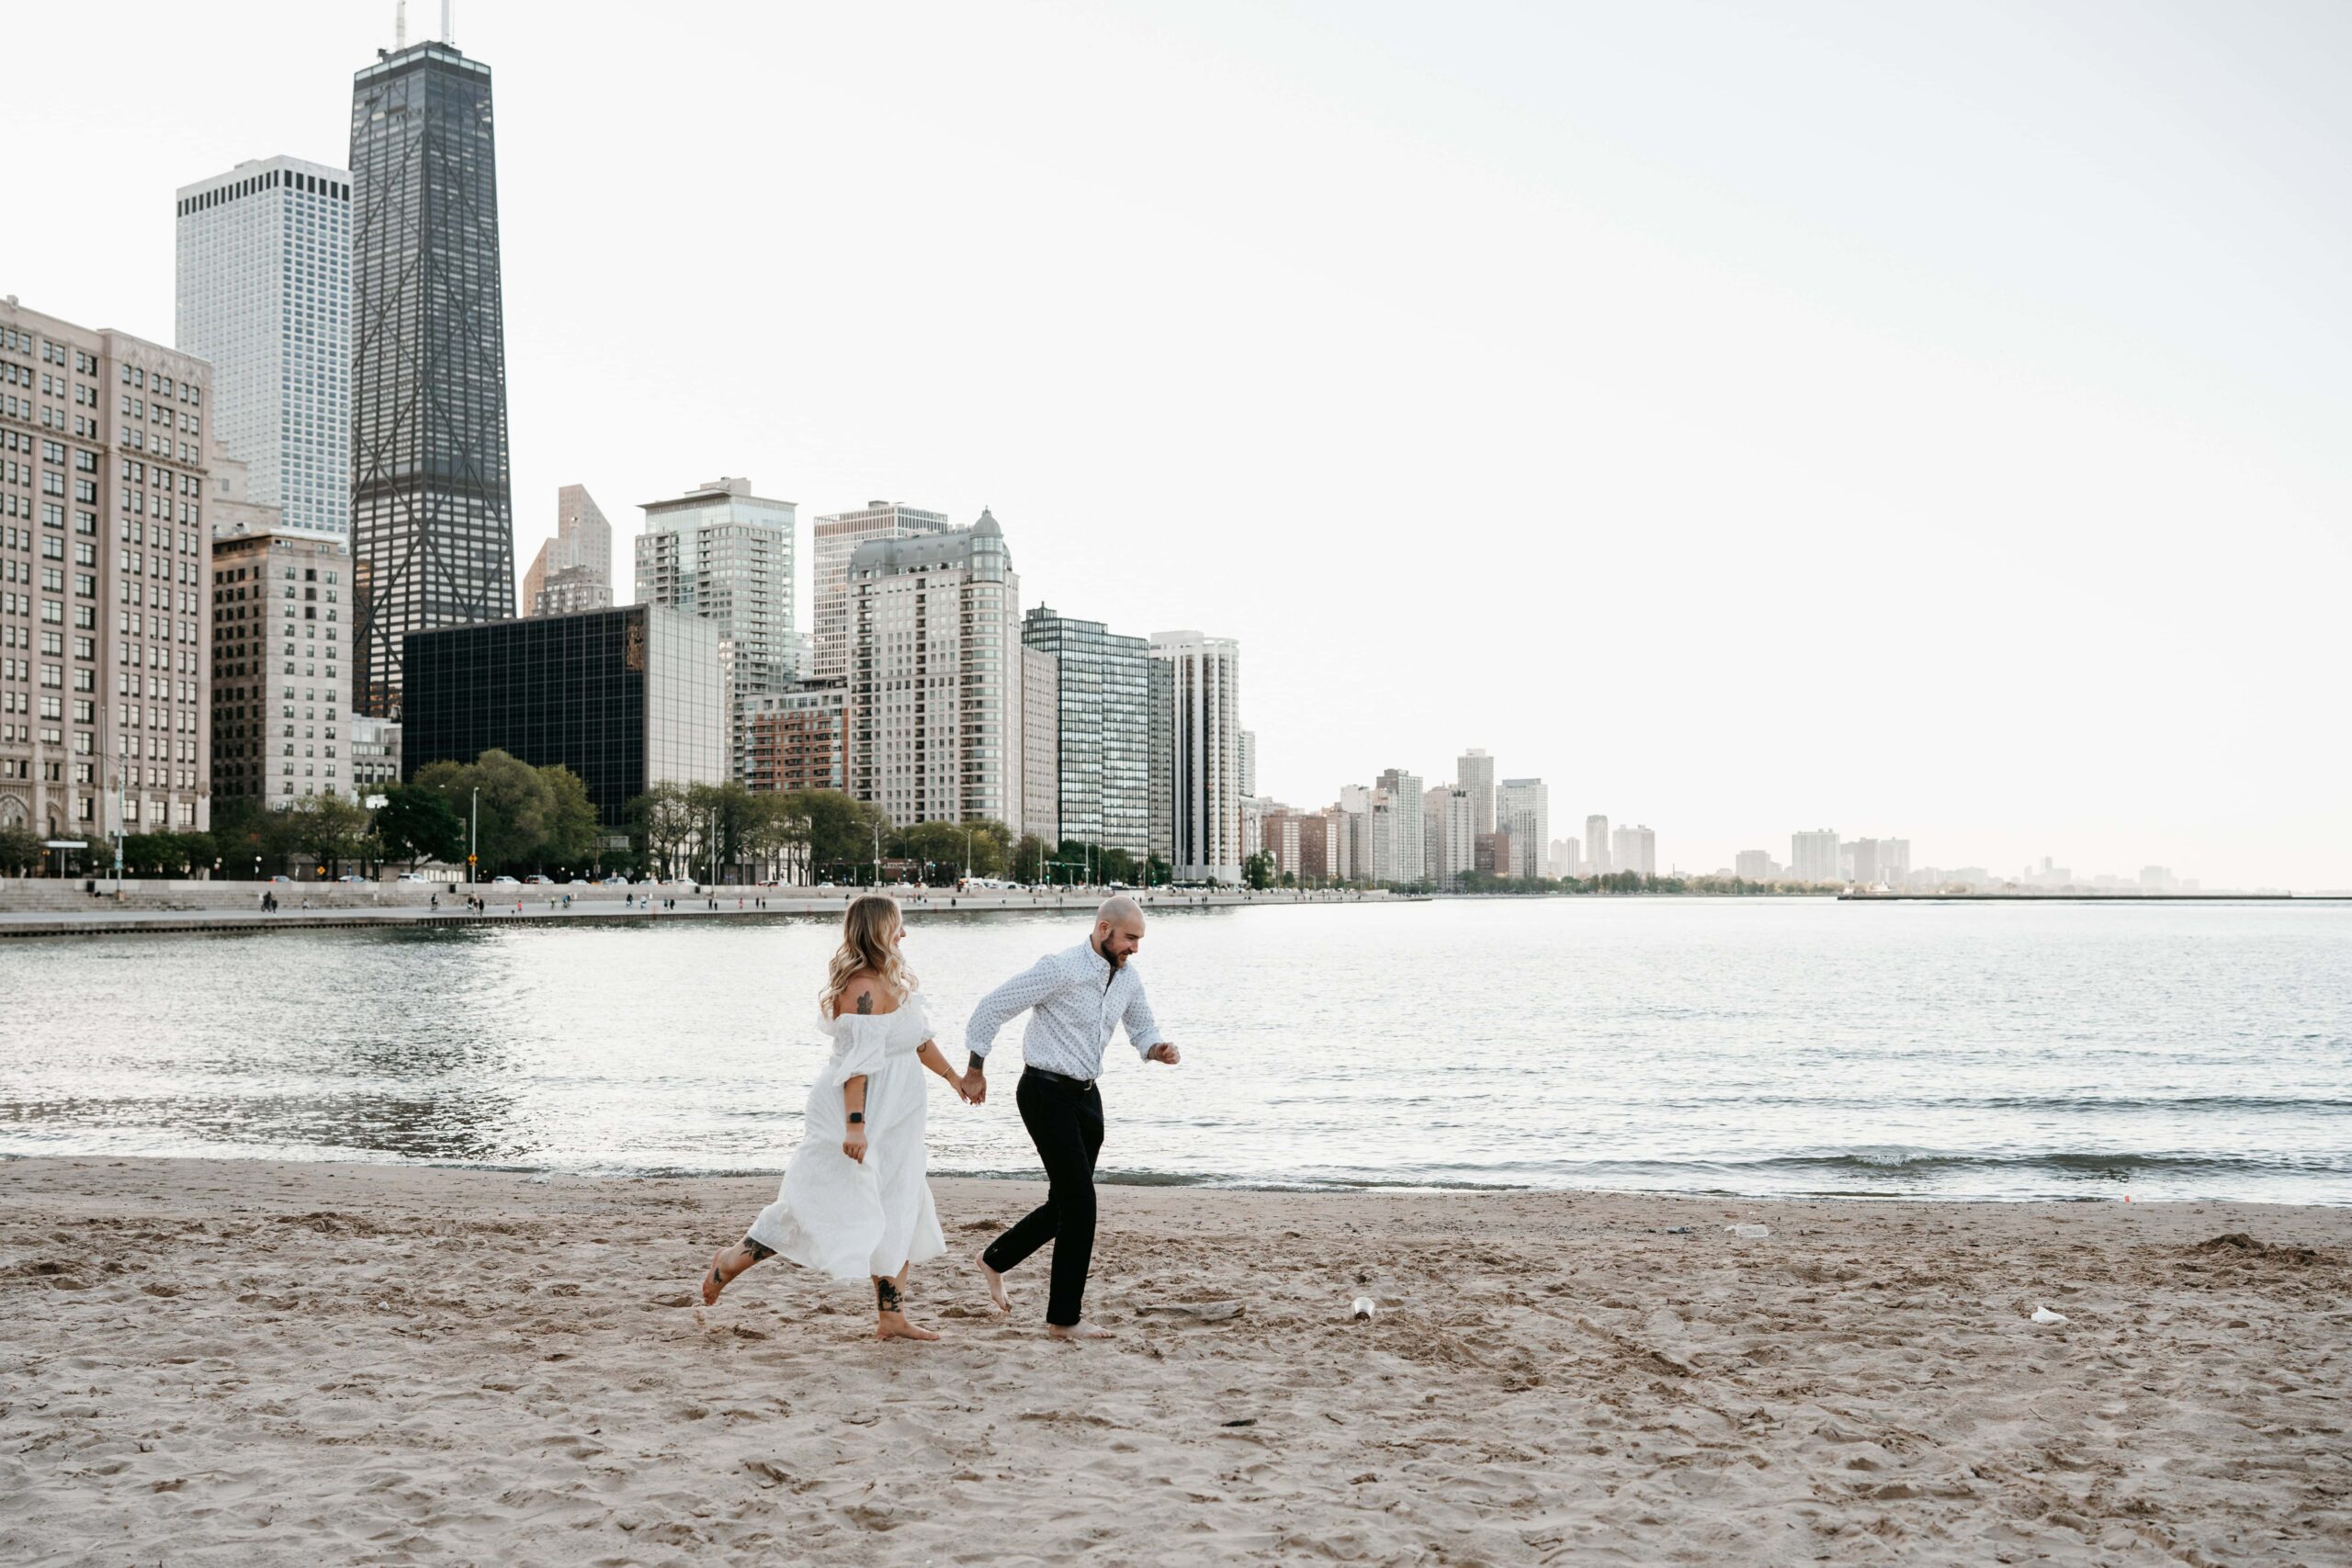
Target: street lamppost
x=473, y=838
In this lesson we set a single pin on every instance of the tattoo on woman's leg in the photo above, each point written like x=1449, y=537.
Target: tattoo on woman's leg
x=885, y=1294
x=759, y=1254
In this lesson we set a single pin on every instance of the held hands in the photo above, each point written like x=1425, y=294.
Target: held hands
x=974, y=1085
x=854, y=1143
x=1163, y=1052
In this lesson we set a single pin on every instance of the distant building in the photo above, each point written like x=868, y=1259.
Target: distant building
x=1354, y=809
x=1489, y=850
x=1568, y=857
x=725, y=556
x=1813, y=856
x=1880, y=860
x=1409, y=848
x=264, y=294
x=1205, y=760
x=1041, y=757
x=106, y=697
x=1475, y=774
x=573, y=571
x=375, y=755
x=834, y=539
x=1633, y=849
x=1162, y=676
x=1101, y=698
x=281, y=673
x=935, y=679
x=626, y=698
x=1595, y=843
x=1392, y=838
x=797, y=739
x=431, y=514
x=1246, y=753
x=1448, y=823
x=1755, y=866
x=1523, y=810
x=2156, y=879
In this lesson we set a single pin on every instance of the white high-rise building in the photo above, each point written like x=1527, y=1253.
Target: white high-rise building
x=264, y=293
x=1449, y=824
x=937, y=710
x=1595, y=843
x=1634, y=849
x=722, y=554
x=1410, y=862
x=1475, y=773
x=1205, y=755
x=1754, y=866
x=1246, y=742
x=1523, y=810
x=1814, y=856
x=833, y=540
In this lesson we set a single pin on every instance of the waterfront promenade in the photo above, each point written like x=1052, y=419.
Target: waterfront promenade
x=37, y=907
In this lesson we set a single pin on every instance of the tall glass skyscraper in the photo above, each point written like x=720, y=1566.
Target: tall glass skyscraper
x=264, y=293
x=1103, y=698
x=432, y=518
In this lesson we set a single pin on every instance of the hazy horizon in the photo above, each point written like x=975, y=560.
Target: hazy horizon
x=1922, y=425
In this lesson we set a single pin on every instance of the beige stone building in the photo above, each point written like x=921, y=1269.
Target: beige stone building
x=573, y=571
x=105, y=582
x=833, y=541
x=935, y=697
x=281, y=659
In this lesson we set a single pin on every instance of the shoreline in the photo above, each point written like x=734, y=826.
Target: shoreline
x=269, y=1362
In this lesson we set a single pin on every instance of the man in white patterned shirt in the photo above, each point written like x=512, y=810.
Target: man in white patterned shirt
x=1074, y=1000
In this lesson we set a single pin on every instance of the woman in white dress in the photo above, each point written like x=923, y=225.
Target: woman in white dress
x=855, y=1202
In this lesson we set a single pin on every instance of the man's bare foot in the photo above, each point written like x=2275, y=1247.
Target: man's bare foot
x=995, y=1282
x=893, y=1326
x=1078, y=1331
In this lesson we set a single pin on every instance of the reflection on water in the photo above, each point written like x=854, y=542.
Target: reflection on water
x=1729, y=1045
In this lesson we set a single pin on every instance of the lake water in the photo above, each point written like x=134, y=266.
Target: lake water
x=1736, y=1045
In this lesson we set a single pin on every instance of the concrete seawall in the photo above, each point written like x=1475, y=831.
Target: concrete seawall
x=232, y=909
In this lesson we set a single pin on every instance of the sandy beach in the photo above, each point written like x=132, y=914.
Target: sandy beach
x=255, y=1363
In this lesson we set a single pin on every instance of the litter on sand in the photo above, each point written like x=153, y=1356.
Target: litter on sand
x=1364, y=1309
x=2043, y=1315
x=1750, y=1233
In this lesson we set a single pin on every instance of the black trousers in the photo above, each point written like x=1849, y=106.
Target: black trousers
x=1065, y=1123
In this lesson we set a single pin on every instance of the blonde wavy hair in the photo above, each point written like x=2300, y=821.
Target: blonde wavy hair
x=867, y=927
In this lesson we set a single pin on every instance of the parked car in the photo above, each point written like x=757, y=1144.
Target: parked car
x=281, y=879
x=536, y=880
x=616, y=880
x=503, y=882
x=349, y=876
x=408, y=876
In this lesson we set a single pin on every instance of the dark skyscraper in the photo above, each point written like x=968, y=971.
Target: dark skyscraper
x=432, y=522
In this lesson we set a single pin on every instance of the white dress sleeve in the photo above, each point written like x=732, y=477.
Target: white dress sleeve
x=859, y=1046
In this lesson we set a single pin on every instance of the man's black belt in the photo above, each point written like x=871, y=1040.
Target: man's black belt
x=1060, y=1078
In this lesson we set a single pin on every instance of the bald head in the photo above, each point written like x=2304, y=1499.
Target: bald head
x=1118, y=928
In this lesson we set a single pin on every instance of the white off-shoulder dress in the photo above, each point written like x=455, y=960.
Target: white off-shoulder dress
x=832, y=1213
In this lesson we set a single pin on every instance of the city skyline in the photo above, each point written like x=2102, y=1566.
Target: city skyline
x=2007, y=641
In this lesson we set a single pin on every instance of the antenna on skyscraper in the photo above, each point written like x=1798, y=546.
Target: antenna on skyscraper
x=449, y=21
x=400, y=25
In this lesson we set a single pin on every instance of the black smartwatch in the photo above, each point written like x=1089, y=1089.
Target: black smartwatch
x=856, y=1118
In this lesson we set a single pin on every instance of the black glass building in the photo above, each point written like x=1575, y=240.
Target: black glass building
x=432, y=518
x=626, y=698
x=1104, y=723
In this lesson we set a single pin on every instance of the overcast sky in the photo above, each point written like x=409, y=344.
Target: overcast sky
x=1927, y=422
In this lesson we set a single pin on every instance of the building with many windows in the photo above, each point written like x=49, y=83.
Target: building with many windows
x=792, y=740
x=833, y=540
x=725, y=556
x=1204, y=754
x=264, y=294
x=1406, y=860
x=936, y=698
x=1814, y=856
x=106, y=581
x=1523, y=810
x=626, y=698
x=1595, y=843
x=1755, y=866
x=573, y=570
x=1633, y=849
x=375, y=755
x=1102, y=706
x=1474, y=772
x=1041, y=760
x=281, y=668
x=432, y=511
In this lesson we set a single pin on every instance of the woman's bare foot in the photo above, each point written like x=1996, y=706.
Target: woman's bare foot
x=725, y=1264
x=893, y=1326
x=1078, y=1331
x=995, y=1282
